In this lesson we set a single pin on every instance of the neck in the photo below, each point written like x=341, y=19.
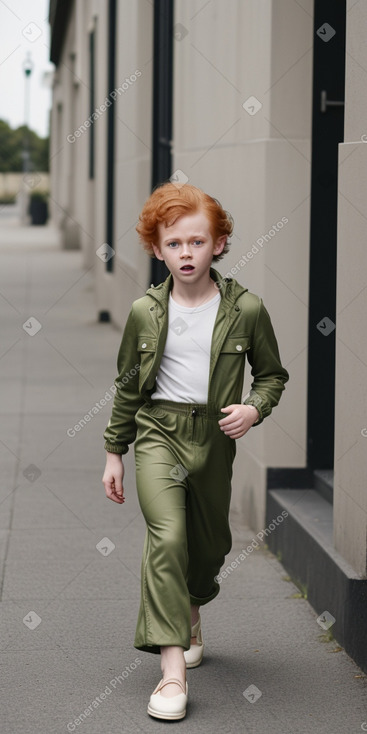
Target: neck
x=194, y=294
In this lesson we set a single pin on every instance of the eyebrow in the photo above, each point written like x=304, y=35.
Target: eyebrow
x=173, y=238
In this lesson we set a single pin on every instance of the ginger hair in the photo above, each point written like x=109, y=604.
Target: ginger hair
x=170, y=201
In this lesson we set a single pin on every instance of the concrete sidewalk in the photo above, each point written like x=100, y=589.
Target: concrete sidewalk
x=69, y=609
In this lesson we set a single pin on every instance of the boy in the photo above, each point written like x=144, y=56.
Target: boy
x=179, y=396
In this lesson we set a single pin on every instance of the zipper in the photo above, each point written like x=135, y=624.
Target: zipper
x=193, y=415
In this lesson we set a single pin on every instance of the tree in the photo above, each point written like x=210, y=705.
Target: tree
x=12, y=144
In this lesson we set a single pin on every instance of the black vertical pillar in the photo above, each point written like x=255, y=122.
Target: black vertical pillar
x=327, y=132
x=91, y=100
x=162, y=106
x=111, y=50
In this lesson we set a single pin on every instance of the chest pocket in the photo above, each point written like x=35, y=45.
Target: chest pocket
x=146, y=347
x=235, y=345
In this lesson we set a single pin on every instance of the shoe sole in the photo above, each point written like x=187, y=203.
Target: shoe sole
x=164, y=715
x=198, y=662
x=194, y=665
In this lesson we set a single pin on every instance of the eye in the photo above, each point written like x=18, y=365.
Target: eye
x=198, y=242
x=173, y=244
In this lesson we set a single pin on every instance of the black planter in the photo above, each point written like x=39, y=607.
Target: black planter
x=38, y=210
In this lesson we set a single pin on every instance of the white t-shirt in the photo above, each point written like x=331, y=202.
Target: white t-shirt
x=183, y=375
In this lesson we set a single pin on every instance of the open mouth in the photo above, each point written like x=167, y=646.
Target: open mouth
x=187, y=268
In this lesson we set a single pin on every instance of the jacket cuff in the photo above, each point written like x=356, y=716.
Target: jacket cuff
x=261, y=405
x=116, y=449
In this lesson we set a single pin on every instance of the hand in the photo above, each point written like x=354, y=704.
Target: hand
x=112, y=478
x=239, y=419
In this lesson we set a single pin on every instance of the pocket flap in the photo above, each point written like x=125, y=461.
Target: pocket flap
x=147, y=344
x=236, y=345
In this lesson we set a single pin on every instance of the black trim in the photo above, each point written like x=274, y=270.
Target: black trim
x=92, y=36
x=324, y=483
x=59, y=20
x=104, y=317
x=289, y=478
x=327, y=132
x=110, y=201
x=162, y=107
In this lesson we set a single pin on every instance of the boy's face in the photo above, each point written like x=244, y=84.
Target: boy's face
x=187, y=247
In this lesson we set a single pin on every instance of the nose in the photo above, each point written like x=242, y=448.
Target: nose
x=185, y=250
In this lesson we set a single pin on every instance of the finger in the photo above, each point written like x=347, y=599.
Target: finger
x=227, y=420
x=232, y=424
x=119, y=500
x=115, y=497
x=232, y=410
x=234, y=428
x=237, y=433
x=228, y=409
x=118, y=487
x=109, y=488
x=111, y=492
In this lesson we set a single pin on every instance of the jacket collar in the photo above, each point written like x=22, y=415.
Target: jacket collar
x=229, y=289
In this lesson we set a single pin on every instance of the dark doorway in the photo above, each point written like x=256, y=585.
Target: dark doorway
x=327, y=132
x=162, y=107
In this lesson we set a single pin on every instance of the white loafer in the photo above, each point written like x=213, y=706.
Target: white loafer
x=194, y=656
x=168, y=708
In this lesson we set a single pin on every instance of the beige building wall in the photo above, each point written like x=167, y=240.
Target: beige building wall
x=350, y=497
x=61, y=153
x=257, y=163
x=97, y=196
x=133, y=136
x=66, y=157
x=78, y=204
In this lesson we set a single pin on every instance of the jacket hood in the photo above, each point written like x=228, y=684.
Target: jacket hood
x=229, y=288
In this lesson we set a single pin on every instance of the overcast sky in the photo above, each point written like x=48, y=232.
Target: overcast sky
x=24, y=29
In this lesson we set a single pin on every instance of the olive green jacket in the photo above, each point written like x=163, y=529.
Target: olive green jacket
x=242, y=327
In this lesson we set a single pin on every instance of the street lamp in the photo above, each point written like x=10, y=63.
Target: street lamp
x=27, y=68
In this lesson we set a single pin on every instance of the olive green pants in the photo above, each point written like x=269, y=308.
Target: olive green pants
x=183, y=476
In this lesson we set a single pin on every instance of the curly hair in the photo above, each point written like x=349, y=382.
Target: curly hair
x=170, y=201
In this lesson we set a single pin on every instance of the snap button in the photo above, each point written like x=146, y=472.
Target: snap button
x=143, y=345
x=238, y=347
x=151, y=308
x=236, y=308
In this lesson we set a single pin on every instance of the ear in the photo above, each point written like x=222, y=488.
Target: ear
x=157, y=252
x=219, y=245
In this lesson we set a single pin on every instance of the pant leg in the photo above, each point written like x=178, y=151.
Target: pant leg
x=207, y=512
x=183, y=471
x=164, y=614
